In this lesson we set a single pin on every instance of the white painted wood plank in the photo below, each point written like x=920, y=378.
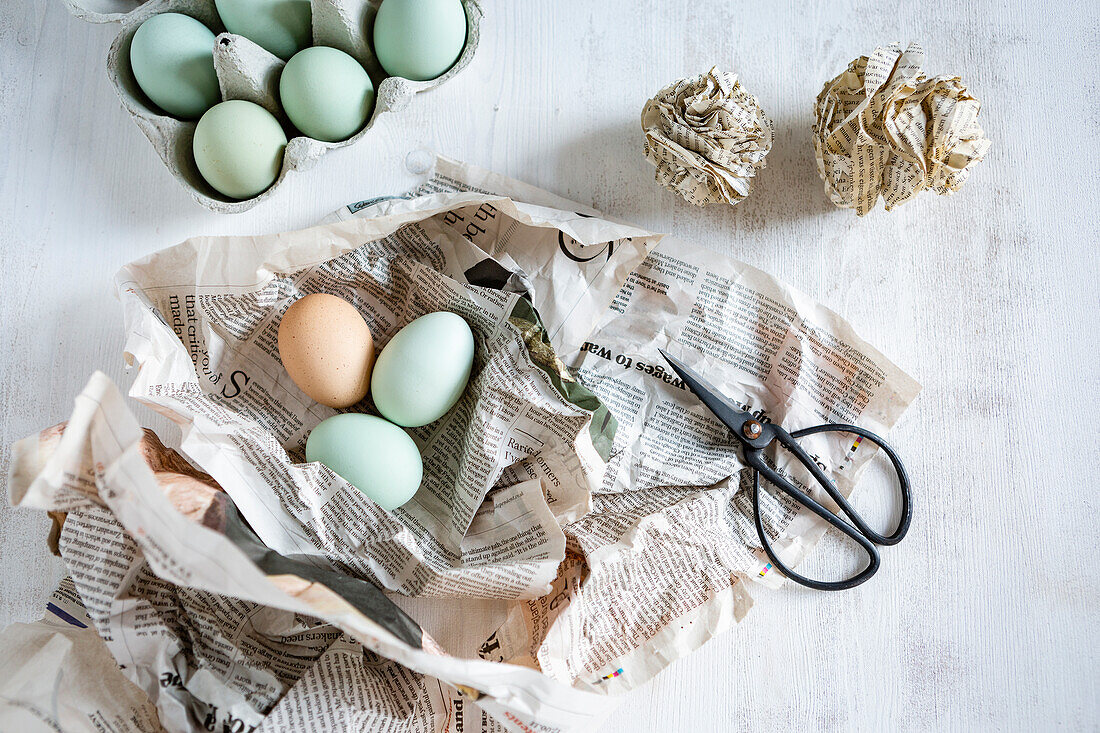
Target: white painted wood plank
x=984, y=618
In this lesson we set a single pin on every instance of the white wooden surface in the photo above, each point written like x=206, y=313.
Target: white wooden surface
x=985, y=618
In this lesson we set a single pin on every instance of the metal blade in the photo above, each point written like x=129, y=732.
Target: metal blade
x=723, y=408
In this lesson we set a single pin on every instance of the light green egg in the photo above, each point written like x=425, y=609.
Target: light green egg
x=172, y=57
x=283, y=27
x=239, y=148
x=419, y=39
x=373, y=455
x=326, y=93
x=423, y=370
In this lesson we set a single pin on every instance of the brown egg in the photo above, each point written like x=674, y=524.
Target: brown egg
x=327, y=349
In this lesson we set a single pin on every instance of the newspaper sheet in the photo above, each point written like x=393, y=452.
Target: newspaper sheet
x=600, y=504
x=57, y=674
x=470, y=253
x=217, y=635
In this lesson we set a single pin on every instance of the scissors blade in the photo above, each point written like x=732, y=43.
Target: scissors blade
x=723, y=408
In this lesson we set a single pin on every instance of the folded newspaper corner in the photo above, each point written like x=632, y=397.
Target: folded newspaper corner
x=582, y=522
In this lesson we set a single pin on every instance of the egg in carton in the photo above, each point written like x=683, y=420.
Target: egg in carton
x=246, y=71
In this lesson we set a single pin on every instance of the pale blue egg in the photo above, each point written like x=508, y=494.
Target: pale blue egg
x=373, y=455
x=423, y=370
x=238, y=148
x=326, y=93
x=172, y=57
x=283, y=27
x=419, y=39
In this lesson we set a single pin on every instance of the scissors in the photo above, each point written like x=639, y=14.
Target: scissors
x=755, y=436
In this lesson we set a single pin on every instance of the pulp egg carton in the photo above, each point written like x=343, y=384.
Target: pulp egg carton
x=247, y=71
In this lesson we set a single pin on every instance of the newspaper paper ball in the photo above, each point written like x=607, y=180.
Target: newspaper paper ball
x=883, y=127
x=707, y=136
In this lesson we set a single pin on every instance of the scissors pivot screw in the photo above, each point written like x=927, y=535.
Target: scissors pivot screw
x=752, y=429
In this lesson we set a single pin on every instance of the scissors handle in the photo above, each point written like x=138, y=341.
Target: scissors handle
x=857, y=529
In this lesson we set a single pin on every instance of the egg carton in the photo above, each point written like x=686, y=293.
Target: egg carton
x=249, y=72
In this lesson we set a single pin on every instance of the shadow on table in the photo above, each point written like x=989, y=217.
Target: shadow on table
x=607, y=168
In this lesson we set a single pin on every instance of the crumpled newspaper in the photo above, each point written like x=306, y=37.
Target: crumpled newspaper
x=708, y=137
x=883, y=127
x=220, y=629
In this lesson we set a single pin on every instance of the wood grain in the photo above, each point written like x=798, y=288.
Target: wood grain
x=985, y=617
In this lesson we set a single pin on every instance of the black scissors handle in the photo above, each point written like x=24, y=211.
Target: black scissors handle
x=857, y=530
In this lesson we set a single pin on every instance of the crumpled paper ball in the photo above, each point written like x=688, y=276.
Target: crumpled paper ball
x=707, y=136
x=884, y=128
